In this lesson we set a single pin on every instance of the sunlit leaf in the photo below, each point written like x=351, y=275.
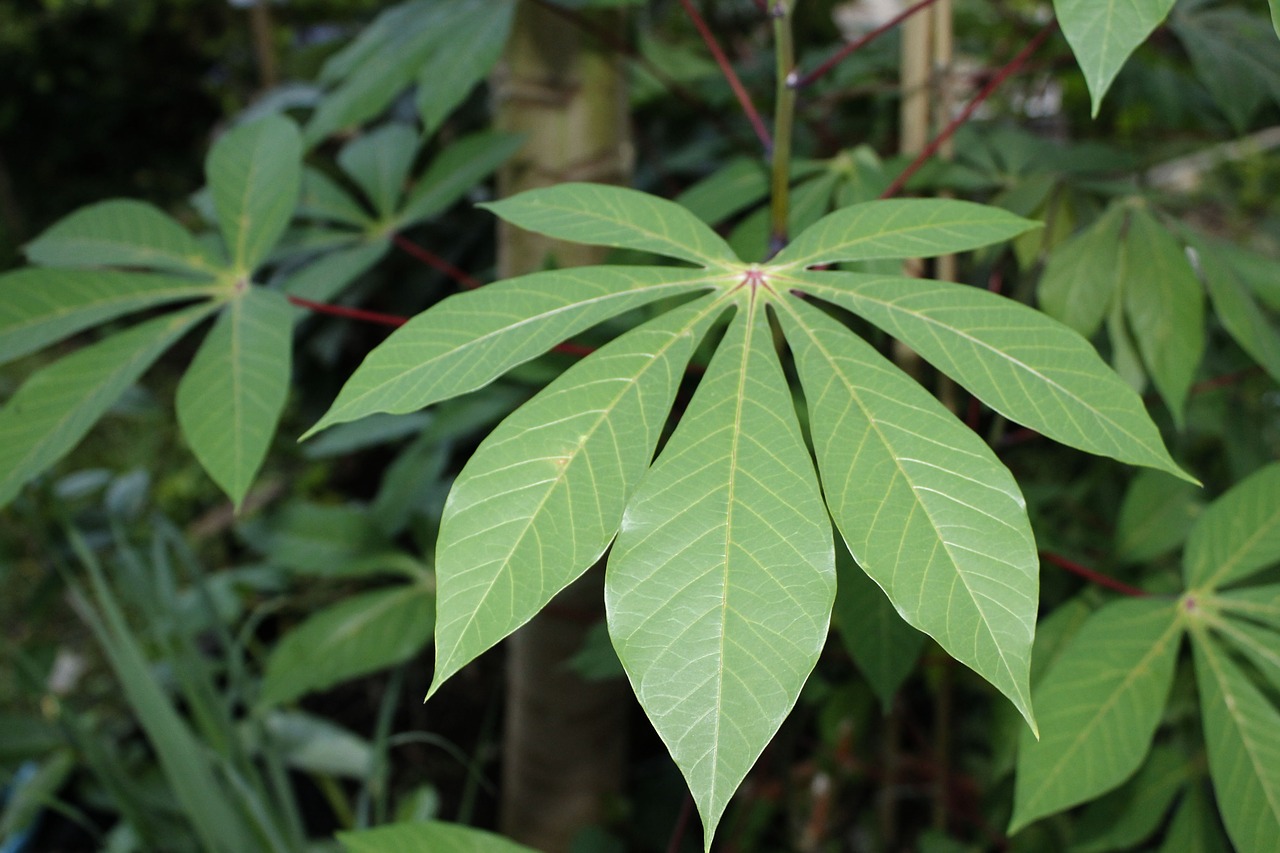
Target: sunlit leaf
x=120, y=233
x=720, y=585
x=1238, y=534
x=1103, y=33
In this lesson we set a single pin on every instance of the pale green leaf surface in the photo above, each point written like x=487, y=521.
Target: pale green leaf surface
x=1080, y=278
x=1260, y=603
x=923, y=504
x=1019, y=362
x=430, y=836
x=322, y=198
x=881, y=643
x=623, y=218
x=542, y=497
x=472, y=338
x=1242, y=732
x=900, y=228
x=720, y=585
x=1103, y=33
x=1238, y=310
x=123, y=233
x=1134, y=811
x=1260, y=645
x=354, y=637
x=314, y=744
x=255, y=175
x=1165, y=306
x=732, y=188
x=446, y=77
x=1054, y=633
x=54, y=409
x=455, y=171
x=379, y=162
x=230, y=399
x=1155, y=516
x=327, y=276
x=40, y=306
x=1238, y=534
x=1099, y=707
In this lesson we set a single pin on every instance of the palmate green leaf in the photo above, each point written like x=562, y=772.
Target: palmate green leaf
x=255, y=175
x=1259, y=603
x=1103, y=33
x=1165, y=306
x=1155, y=516
x=362, y=634
x=122, y=233
x=1260, y=645
x=1238, y=535
x=434, y=836
x=472, y=338
x=455, y=171
x=1080, y=278
x=326, y=276
x=622, y=218
x=379, y=162
x=1242, y=732
x=1099, y=707
x=54, y=409
x=324, y=199
x=230, y=399
x=446, y=77
x=39, y=307
x=923, y=504
x=903, y=228
x=543, y=495
x=1019, y=362
x=720, y=585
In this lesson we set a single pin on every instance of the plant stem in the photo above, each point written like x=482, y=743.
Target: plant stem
x=783, y=121
x=859, y=43
x=730, y=75
x=1092, y=576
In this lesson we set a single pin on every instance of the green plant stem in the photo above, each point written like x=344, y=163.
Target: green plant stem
x=783, y=122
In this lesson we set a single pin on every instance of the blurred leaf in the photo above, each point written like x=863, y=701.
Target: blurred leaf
x=1195, y=827
x=1237, y=535
x=1233, y=55
x=315, y=539
x=1132, y=813
x=454, y=171
x=1260, y=603
x=1237, y=309
x=324, y=199
x=327, y=276
x=446, y=77
x=255, y=175
x=121, y=233
x=28, y=794
x=1080, y=278
x=379, y=162
x=433, y=836
x=1155, y=516
x=1103, y=33
x=314, y=744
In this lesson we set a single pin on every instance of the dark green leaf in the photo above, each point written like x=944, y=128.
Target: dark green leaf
x=446, y=77
x=1156, y=515
x=121, y=233
x=455, y=171
x=1238, y=534
x=379, y=162
x=1080, y=277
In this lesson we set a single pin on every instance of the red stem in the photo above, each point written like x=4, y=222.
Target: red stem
x=857, y=44
x=969, y=108
x=349, y=313
x=435, y=261
x=730, y=75
x=1092, y=576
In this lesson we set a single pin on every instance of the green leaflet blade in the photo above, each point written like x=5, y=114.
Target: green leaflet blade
x=121, y=233
x=379, y=162
x=1019, y=362
x=542, y=497
x=434, y=836
x=1238, y=310
x=903, y=228
x=230, y=399
x=1134, y=812
x=472, y=338
x=324, y=199
x=1079, y=281
x=1238, y=535
x=54, y=409
x=1165, y=306
x=1102, y=34
x=720, y=586
x=1099, y=707
x=923, y=504
x=1242, y=732
x=327, y=276
x=356, y=636
x=602, y=215
x=455, y=171
x=255, y=175
x=446, y=77
x=39, y=307
x=1155, y=517
x=1259, y=603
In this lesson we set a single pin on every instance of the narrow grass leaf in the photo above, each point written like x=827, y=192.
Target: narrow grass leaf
x=428, y=835
x=1103, y=33
x=1238, y=535
x=1026, y=366
x=720, y=586
x=1099, y=707
x=120, y=233
x=923, y=504
x=255, y=175
x=231, y=397
x=623, y=218
x=543, y=495
x=472, y=338
x=54, y=409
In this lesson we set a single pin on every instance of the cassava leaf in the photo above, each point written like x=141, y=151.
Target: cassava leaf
x=542, y=497
x=1260, y=603
x=1155, y=516
x=39, y=307
x=54, y=409
x=902, y=228
x=121, y=233
x=231, y=397
x=472, y=338
x=1238, y=535
x=1080, y=278
x=923, y=504
x=1242, y=732
x=429, y=835
x=1019, y=362
x=446, y=77
x=720, y=586
x=255, y=174
x=328, y=275
x=455, y=171
x=379, y=162
x=615, y=216
x=1237, y=309
x=1134, y=811
x=1099, y=707
x=1103, y=33
x=324, y=199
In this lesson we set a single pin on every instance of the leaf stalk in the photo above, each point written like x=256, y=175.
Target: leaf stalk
x=783, y=123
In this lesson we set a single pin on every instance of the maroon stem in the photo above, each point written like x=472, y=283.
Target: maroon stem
x=857, y=44
x=1092, y=576
x=730, y=75
x=349, y=313
x=947, y=132
x=432, y=260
